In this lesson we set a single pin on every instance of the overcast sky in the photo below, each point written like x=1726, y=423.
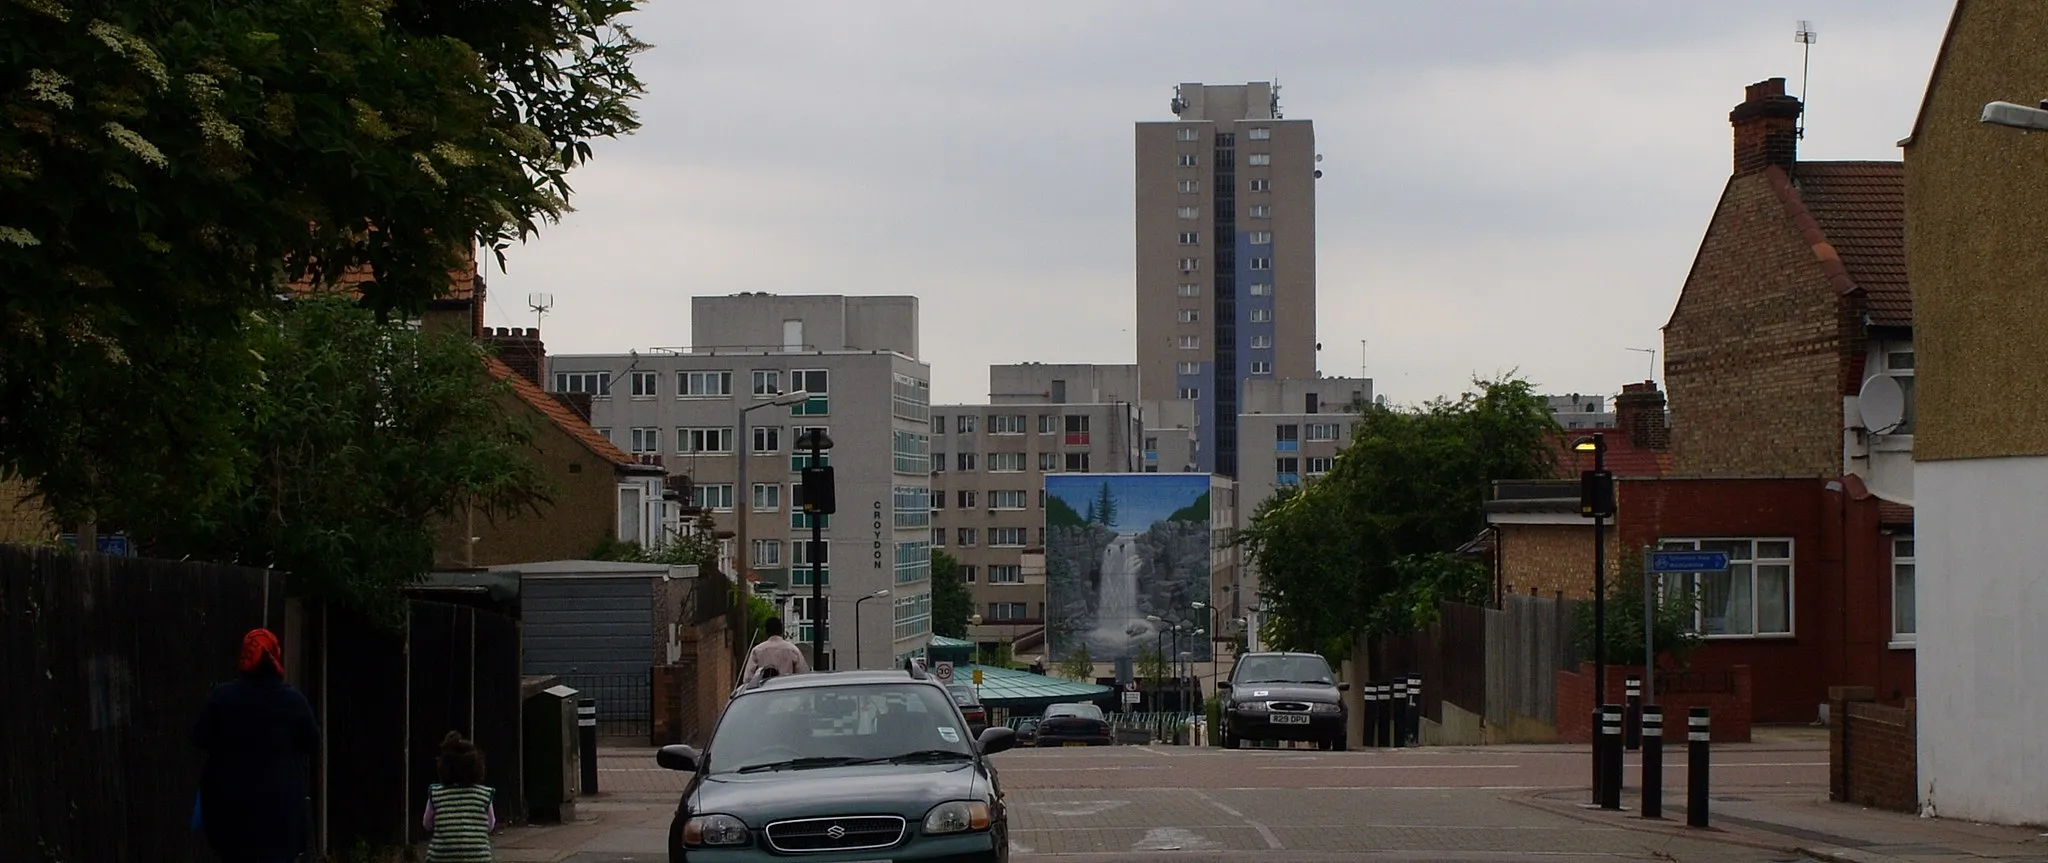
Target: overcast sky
x=1509, y=184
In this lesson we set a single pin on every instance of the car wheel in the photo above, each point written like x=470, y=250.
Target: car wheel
x=1339, y=743
x=1231, y=741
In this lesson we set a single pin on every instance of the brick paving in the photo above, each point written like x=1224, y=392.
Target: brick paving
x=1172, y=804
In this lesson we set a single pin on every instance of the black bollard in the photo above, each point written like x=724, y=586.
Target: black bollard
x=1696, y=737
x=1387, y=714
x=1632, y=736
x=1610, y=743
x=1653, y=761
x=1370, y=697
x=1599, y=756
x=586, y=732
x=1400, y=711
x=1414, y=709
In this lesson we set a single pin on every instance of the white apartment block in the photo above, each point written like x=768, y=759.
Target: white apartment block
x=856, y=357
x=1290, y=431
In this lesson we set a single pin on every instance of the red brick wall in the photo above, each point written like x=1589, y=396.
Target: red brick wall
x=1872, y=757
x=1755, y=348
x=1730, y=721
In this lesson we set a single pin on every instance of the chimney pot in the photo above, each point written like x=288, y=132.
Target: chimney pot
x=1766, y=127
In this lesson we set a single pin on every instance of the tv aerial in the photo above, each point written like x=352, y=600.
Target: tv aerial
x=1653, y=361
x=540, y=304
x=1806, y=36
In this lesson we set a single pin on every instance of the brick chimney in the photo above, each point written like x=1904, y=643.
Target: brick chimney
x=1639, y=414
x=522, y=350
x=1766, y=127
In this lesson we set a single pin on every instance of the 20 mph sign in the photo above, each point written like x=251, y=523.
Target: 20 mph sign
x=944, y=670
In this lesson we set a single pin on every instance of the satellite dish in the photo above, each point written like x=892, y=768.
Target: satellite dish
x=1882, y=404
x=1319, y=174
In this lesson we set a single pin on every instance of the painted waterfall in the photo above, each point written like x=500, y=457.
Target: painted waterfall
x=1120, y=549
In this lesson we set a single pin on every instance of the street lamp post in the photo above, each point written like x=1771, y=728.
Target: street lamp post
x=743, y=552
x=2016, y=116
x=819, y=500
x=1596, y=501
x=856, y=623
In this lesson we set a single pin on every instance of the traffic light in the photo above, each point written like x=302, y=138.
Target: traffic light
x=818, y=496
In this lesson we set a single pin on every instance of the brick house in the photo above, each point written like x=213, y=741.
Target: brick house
x=1788, y=363
x=1975, y=223
x=1540, y=544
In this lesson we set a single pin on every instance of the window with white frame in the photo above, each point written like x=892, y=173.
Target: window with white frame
x=1006, y=424
x=1189, y=316
x=1319, y=464
x=1262, y=367
x=1322, y=431
x=1258, y=160
x=767, y=439
x=1006, y=537
x=646, y=439
x=938, y=499
x=969, y=498
x=1262, y=263
x=1898, y=363
x=1189, y=290
x=1188, y=343
x=913, y=615
x=1006, y=498
x=1262, y=238
x=818, y=384
x=1189, y=212
x=913, y=505
x=704, y=441
x=1006, y=573
x=1753, y=598
x=1189, y=160
x=1262, y=316
x=597, y=384
x=1048, y=424
x=1261, y=211
x=966, y=537
x=800, y=553
x=644, y=384
x=969, y=573
x=938, y=533
x=1262, y=342
x=965, y=461
x=715, y=496
x=1005, y=462
x=966, y=423
x=767, y=552
x=1262, y=185
x=1189, y=394
x=767, y=383
x=1260, y=133
x=1190, y=238
x=1262, y=289
x=1189, y=265
x=701, y=385
x=767, y=496
x=1188, y=187
x=1077, y=462
x=1006, y=610
x=1904, y=613
x=1187, y=368
x=1188, y=133
x=1048, y=461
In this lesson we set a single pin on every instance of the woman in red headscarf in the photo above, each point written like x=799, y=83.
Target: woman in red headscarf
x=258, y=733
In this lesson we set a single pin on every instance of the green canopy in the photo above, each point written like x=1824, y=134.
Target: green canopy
x=1023, y=691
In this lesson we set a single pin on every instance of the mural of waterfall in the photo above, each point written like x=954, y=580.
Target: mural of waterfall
x=1121, y=548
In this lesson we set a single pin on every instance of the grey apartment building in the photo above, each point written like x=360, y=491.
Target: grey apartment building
x=1226, y=255
x=1289, y=431
x=989, y=464
x=857, y=359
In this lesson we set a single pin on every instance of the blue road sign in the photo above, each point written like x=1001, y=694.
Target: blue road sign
x=1688, y=561
x=114, y=544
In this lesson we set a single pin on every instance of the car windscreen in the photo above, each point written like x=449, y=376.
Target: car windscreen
x=814, y=725
x=1084, y=711
x=962, y=695
x=1282, y=669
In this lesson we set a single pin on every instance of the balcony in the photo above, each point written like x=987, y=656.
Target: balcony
x=1287, y=446
x=1077, y=439
x=1287, y=479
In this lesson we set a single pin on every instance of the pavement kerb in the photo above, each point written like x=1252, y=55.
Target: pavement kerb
x=1554, y=801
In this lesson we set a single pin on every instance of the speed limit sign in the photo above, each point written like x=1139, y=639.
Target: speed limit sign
x=945, y=671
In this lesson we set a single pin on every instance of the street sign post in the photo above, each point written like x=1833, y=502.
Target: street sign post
x=1656, y=563
x=106, y=543
x=944, y=671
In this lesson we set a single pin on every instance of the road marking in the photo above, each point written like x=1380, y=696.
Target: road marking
x=1073, y=769
x=1269, y=788
x=1403, y=767
x=1016, y=848
x=1081, y=808
x=1157, y=752
x=1173, y=839
x=1265, y=832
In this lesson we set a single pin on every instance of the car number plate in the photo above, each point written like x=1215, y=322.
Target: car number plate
x=1075, y=743
x=1286, y=719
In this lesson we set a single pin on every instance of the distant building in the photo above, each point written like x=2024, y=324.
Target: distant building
x=857, y=358
x=1579, y=411
x=1289, y=431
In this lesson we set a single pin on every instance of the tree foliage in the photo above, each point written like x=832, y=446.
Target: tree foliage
x=1078, y=665
x=1153, y=667
x=1675, y=631
x=952, y=602
x=1360, y=550
x=170, y=167
x=361, y=439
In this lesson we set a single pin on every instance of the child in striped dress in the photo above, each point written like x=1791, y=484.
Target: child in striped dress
x=459, y=810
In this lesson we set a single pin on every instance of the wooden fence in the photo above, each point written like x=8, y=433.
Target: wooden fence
x=104, y=665
x=1494, y=668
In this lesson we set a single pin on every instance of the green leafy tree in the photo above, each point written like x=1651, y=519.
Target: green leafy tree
x=952, y=602
x=1672, y=613
x=1356, y=552
x=170, y=167
x=364, y=437
x=1152, y=665
x=1078, y=665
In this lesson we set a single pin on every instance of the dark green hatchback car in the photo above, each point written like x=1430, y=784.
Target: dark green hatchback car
x=842, y=767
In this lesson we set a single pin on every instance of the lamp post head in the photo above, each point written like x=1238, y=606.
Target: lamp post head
x=791, y=398
x=1198, y=605
x=878, y=594
x=974, y=620
x=814, y=438
x=1596, y=442
x=2013, y=116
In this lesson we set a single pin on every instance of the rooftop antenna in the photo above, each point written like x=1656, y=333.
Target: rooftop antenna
x=1276, y=99
x=540, y=304
x=1364, y=360
x=1653, y=361
x=1805, y=36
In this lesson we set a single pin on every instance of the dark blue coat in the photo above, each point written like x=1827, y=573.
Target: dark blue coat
x=258, y=734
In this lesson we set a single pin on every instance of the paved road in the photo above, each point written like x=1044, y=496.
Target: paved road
x=1170, y=804
x=1175, y=804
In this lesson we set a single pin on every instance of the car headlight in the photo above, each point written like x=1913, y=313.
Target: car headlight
x=958, y=816
x=1325, y=708
x=1250, y=706
x=714, y=830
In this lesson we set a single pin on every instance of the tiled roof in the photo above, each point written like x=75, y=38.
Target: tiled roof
x=1894, y=513
x=1860, y=208
x=560, y=415
x=1624, y=458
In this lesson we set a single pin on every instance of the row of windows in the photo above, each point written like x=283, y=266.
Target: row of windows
x=1189, y=187
x=1257, y=238
x=998, y=537
x=997, y=499
x=913, y=505
x=912, y=451
x=913, y=615
x=911, y=399
x=718, y=440
x=1256, y=160
x=1071, y=462
x=699, y=384
x=1256, y=211
x=913, y=562
x=1194, y=343
x=1256, y=133
x=1256, y=264
x=1012, y=424
x=1257, y=289
x=1256, y=316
